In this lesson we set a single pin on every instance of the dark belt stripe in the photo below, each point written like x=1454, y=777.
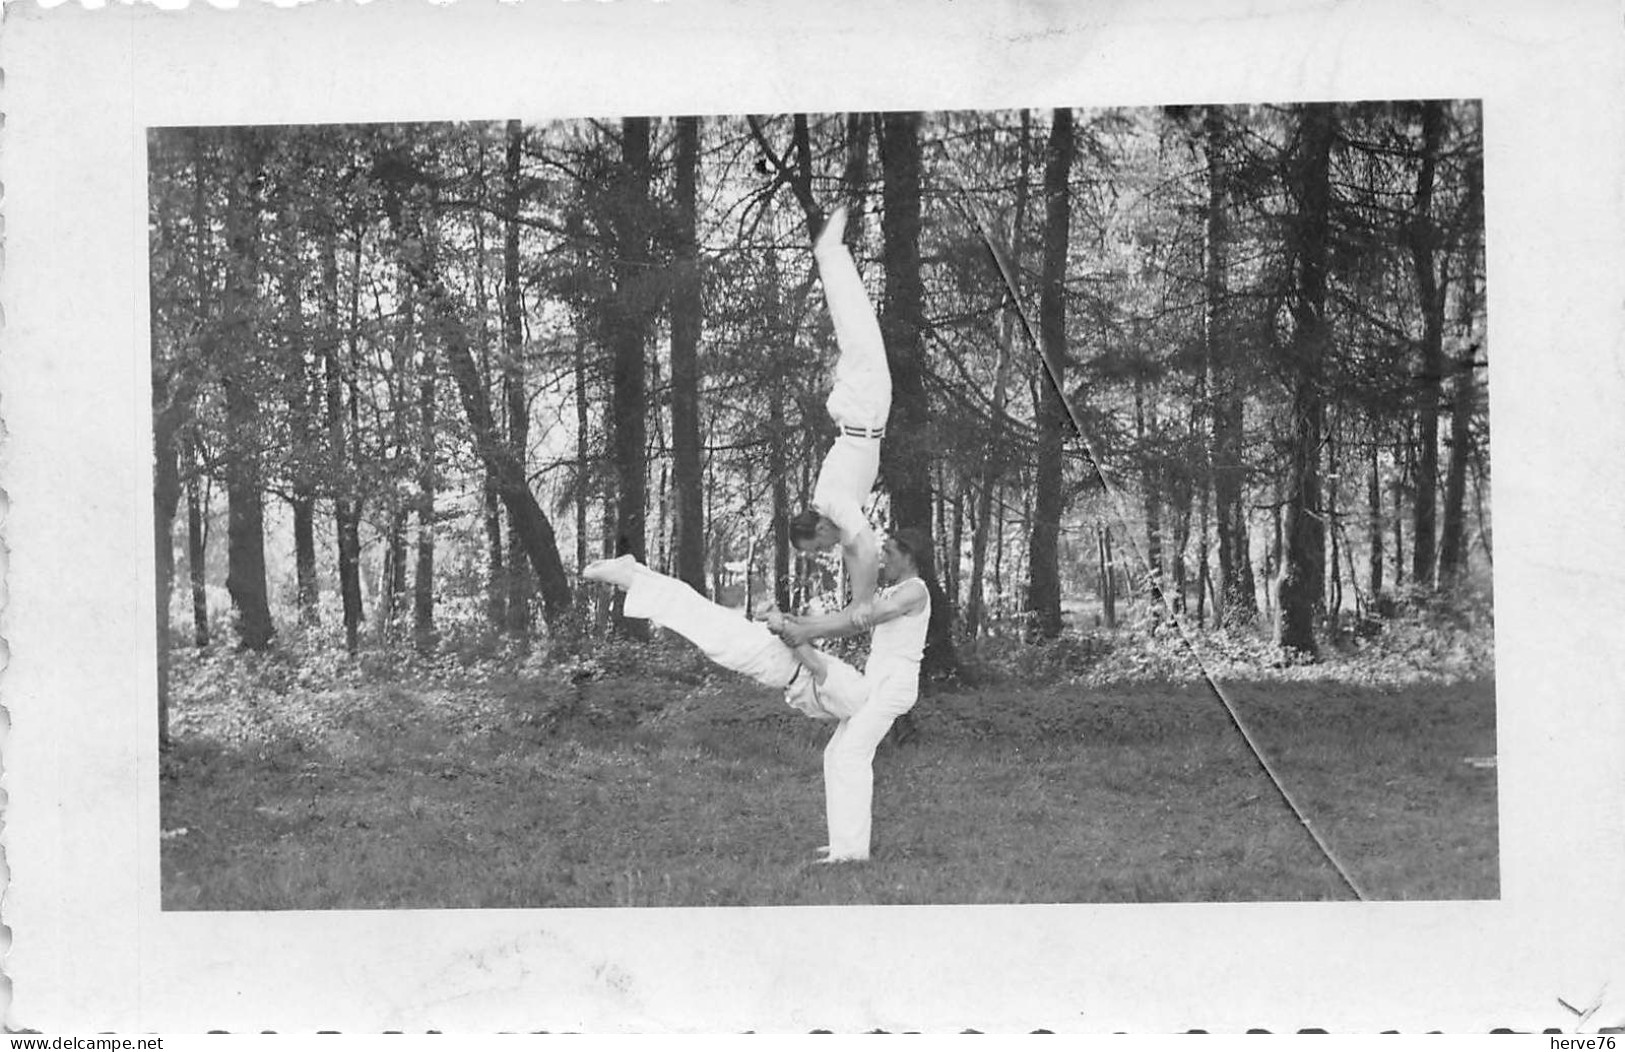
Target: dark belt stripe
x=864, y=432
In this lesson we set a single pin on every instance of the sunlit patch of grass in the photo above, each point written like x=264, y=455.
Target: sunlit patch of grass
x=627, y=790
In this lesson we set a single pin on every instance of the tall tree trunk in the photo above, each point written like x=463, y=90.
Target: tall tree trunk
x=1181, y=495
x=515, y=397
x=976, y=600
x=496, y=584
x=166, y=490
x=1431, y=294
x=992, y=460
x=1374, y=515
x=418, y=249
x=1144, y=428
x=1480, y=475
x=393, y=584
x=628, y=336
x=245, y=543
x=608, y=497
x=1204, y=575
x=423, y=633
x=1334, y=572
x=947, y=562
x=172, y=398
x=606, y=604
x=196, y=552
x=1043, y=567
x=660, y=558
x=307, y=595
x=196, y=548
x=1299, y=589
x=1180, y=507
x=532, y=526
x=303, y=399
x=777, y=466
x=907, y=452
x=804, y=568
x=956, y=543
x=402, y=408
x=714, y=541
x=245, y=552
x=798, y=576
x=346, y=505
x=1108, y=577
x=582, y=423
x=1452, y=542
x=1399, y=536
x=687, y=313
x=856, y=176
x=1464, y=391
x=497, y=575
x=1238, y=604
x=998, y=549
x=1277, y=546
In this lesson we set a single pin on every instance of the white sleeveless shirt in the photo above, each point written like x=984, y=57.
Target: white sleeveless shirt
x=897, y=645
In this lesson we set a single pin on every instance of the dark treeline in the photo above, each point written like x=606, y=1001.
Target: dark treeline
x=423, y=372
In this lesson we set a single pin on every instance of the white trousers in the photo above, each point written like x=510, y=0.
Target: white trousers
x=849, y=770
x=744, y=646
x=861, y=394
x=865, y=706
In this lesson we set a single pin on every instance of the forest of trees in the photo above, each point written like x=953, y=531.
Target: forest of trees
x=423, y=373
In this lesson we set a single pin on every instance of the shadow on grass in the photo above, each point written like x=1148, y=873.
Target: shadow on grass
x=622, y=790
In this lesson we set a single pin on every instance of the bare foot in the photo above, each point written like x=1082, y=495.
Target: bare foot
x=834, y=229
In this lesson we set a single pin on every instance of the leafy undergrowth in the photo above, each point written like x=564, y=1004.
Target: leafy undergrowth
x=638, y=776
x=1428, y=642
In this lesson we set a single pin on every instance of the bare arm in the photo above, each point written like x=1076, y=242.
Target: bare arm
x=862, y=555
x=810, y=657
x=813, y=660
x=858, y=617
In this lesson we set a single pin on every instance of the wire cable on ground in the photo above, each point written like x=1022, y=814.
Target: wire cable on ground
x=1053, y=369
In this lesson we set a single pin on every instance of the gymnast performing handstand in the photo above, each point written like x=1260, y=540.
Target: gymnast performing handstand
x=859, y=403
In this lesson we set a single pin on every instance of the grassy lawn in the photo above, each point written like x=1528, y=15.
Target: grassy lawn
x=669, y=786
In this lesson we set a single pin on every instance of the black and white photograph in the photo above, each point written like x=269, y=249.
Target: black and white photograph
x=686, y=518
x=1109, y=487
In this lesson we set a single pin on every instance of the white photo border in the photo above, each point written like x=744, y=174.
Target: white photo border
x=91, y=950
